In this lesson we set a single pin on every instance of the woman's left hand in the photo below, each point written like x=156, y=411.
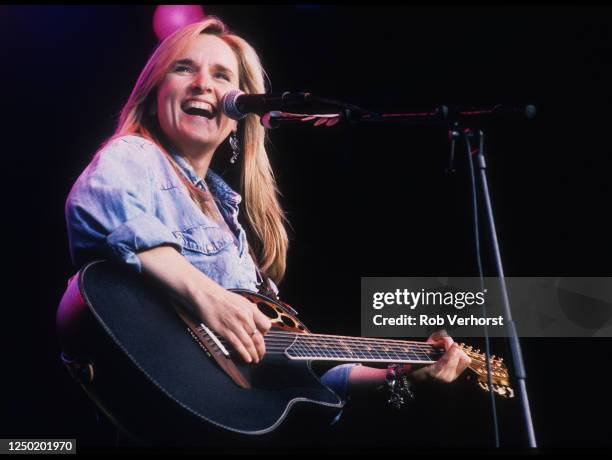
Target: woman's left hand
x=450, y=366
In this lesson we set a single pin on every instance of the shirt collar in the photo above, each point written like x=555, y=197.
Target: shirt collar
x=218, y=186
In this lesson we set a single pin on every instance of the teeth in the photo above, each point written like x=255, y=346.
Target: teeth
x=199, y=105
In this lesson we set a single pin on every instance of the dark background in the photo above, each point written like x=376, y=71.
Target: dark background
x=363, y=201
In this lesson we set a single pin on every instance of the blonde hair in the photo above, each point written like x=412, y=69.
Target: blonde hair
x=258, y=186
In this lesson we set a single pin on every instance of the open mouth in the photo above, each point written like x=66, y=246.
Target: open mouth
x=200, y=109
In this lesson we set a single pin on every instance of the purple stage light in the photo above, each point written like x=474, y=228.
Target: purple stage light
x=169, y=18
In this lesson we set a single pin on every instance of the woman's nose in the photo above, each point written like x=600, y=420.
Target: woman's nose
x=201, y=83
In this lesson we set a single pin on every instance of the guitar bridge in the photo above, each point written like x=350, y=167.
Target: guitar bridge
x=213, y=347
x=215, y=340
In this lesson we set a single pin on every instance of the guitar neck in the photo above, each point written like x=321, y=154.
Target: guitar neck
x=321, y=347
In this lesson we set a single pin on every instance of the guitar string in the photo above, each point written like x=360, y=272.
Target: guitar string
x=340, y=341
x=375, y=359
x=350, y=340
x=280, y=348
x=276, y=332
x=359, y=341
x=350, y=344
x=360, y=345
x=279, y=341
x=289, y=336
x=354, y=357
x=276, y=350
x=283, y=339
x=324, y=346
x=307, y=341
x=362, y=341
x=310, y=341
x=373, y=344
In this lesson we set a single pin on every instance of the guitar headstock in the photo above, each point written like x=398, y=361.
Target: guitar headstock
x=499, y=371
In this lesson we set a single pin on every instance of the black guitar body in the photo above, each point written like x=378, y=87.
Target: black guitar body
x=157, y=383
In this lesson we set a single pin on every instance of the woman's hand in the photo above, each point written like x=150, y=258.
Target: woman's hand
x=363, y=380
x=450, y=366
x=237, y=319
x=226, y=313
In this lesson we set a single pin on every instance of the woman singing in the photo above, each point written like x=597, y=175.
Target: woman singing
x=148, y=199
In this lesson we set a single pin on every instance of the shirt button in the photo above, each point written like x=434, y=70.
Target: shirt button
x=209, y=247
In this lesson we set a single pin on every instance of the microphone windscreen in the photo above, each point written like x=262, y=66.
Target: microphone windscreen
x=229, y=104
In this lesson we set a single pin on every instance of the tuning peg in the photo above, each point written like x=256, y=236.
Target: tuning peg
x=506, y=392
x=499, y=390
x=484, y=386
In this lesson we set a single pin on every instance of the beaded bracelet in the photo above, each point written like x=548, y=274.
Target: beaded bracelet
x=399, y=387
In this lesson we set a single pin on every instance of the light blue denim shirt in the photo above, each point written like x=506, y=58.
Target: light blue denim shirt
x=129, y=199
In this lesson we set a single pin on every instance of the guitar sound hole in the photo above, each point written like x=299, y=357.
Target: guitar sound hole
x=267, y=310
x=288, y=321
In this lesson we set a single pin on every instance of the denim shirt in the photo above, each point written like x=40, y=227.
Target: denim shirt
x=129, y=199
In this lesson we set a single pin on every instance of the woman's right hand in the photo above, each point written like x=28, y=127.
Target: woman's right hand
x=237, y=319
x=226, y=313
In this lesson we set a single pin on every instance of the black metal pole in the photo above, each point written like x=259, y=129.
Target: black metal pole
x=515, y=346
x=468, y=133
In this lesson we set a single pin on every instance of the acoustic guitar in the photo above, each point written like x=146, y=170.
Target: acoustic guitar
x=155, y=370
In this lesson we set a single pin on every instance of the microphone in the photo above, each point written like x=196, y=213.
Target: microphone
x=237, y=105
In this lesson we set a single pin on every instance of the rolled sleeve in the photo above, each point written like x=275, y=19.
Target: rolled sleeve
x=337, y=379
x=110, y=211
x=143, y=232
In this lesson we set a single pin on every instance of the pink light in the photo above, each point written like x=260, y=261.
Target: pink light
x=169, y=18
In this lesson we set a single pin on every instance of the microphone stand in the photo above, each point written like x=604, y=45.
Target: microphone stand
x=441, y=116
x=513, y=341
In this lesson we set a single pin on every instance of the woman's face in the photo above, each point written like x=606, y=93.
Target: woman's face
x=189, y=97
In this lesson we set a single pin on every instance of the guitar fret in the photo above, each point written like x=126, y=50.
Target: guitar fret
x=357, y=349
x=308, y=349
x=329, y=352
x=377, y=353
x=325, y=351
x=297, y=349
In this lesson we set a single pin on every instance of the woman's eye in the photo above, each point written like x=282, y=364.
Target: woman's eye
x=183, y=69
x=222, y=75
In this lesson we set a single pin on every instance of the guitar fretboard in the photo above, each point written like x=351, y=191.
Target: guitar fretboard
x=336, y=348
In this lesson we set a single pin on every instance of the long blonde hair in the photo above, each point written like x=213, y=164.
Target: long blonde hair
x=258, y=186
